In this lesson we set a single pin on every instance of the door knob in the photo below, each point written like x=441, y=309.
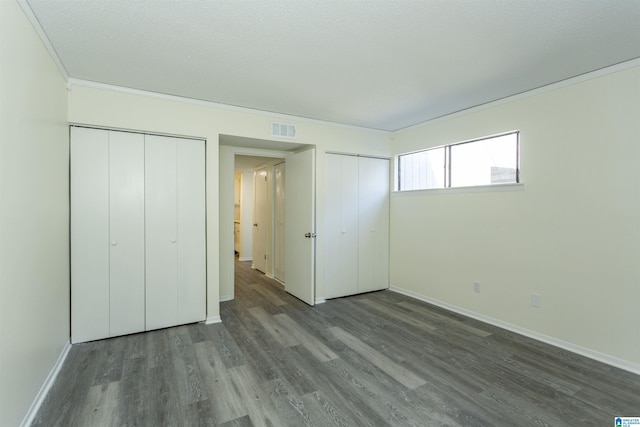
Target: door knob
x=173, y=240
x=114, y=242
x=309, y=235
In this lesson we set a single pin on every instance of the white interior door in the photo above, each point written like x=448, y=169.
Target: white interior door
x=126, y=234
x=279, y=213
x=161, y=232
x=300, y=225
x=260, y=193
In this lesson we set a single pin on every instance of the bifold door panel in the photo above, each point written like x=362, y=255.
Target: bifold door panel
x=89, y=234
x=162, y=232
x=126, y=231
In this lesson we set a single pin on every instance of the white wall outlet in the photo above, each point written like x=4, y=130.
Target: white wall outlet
x=476, y=287
x=536, y=300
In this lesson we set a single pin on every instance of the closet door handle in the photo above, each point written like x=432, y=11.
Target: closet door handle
x=173, y=240
x=113, y=242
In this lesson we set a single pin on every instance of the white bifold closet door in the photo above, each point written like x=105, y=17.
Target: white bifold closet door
x=137, y=233
x=175, y=231
x=342, y=230
x=373, y=213
x=356, y=224
x=126, y=233
x=89, y=187
x=107, y=238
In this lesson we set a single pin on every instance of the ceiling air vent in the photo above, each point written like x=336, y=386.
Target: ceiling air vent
x=283, y=130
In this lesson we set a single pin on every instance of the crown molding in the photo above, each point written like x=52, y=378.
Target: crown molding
x=43, y=37
x=527, y=94
x=217, y=105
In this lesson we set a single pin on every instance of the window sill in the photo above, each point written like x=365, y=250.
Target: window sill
x=473, y=189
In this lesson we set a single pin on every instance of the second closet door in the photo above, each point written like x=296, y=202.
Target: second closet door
x=192, y=251
x=341, y=225
x=161, y=231
x=373, y=206
x=126, y=233
x=175, y=231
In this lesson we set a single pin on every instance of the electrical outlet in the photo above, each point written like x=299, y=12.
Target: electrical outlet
x=536, y=300
x=476, y=287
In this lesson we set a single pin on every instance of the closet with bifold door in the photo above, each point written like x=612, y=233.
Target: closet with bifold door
x=138, y=248
x=356, y=234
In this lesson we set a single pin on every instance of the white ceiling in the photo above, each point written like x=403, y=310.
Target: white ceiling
x=377, y=64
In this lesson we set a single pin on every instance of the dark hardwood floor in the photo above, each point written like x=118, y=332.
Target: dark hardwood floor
x=376, y=359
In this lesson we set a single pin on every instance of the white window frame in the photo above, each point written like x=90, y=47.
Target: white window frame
x=447, y=164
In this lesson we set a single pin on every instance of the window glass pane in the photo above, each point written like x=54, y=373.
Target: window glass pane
x=485, y=162
x=422, y=170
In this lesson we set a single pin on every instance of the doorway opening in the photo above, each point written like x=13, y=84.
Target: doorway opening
x=285, y=239
x=259, y=223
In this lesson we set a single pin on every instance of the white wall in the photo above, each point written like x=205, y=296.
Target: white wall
x=112, y=107
x=572, y=234
x=34, y=214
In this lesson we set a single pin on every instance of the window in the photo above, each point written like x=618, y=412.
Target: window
x=483, y=161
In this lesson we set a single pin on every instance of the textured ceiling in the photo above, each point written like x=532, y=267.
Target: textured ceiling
x=377, y=64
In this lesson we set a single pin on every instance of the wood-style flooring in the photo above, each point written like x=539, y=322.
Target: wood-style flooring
x=378, y=359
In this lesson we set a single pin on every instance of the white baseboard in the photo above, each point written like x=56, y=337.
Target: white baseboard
x=320, y=300
x=245, y=258
x=565, y=345
x=33, y=410
x=224, y=298
x=212, y=319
